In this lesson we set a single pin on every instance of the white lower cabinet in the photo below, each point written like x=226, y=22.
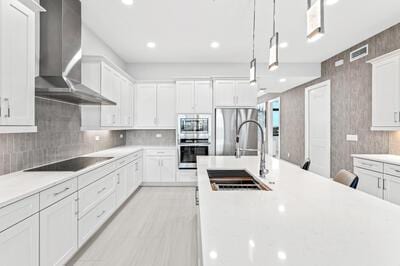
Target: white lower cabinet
x=92, y=221
x=59, y=231
x=160, y=166
x=370, y=182
x=379, y=179
x=391, y=189
x=19, y=244
x=121, y=189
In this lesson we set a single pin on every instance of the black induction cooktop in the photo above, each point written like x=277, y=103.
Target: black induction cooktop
x=71, y=165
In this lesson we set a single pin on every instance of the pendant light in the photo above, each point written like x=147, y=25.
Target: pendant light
x=253, y=63
x=273, y=45
x=315, y=20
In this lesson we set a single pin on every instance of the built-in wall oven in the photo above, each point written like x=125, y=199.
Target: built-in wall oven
x=194, y=138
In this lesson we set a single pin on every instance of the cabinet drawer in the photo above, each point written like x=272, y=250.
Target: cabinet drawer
x=392, y=169
x=124, y=161
x=160, y=152
x=96, y=174
x=91, y=195
x=370, y=165
x=89, y=224
x=56, y=193
x=18, y=211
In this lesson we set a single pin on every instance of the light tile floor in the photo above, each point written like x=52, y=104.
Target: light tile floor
x=156, y=227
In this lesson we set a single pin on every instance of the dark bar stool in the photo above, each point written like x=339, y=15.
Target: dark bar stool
x=306, y=164
x=346, y=178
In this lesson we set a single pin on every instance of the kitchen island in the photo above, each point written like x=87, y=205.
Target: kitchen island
x=306, y=220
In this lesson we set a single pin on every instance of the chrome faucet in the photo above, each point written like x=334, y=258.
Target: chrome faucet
x=263, y=169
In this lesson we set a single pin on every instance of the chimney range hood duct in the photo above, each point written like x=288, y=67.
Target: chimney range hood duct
x=61, y=54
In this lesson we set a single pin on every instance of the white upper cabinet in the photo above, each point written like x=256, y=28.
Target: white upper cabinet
x=17, y=66
x=246, y=95
x=193, y=97
x=234, y=93
x=224, y=93
x=386, y=92
x=103, y=76
x=145, y=105
x=155, y=106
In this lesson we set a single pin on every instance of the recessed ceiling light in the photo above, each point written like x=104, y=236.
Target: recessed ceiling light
x=214, y=45
x=331, y=2
x=127, y=2
x=282, y=80
x=283, y=44
x=151, y=44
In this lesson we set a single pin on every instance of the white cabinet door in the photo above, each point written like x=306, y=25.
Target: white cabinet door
x=17, y=59
x=139, y=172
x=203, y=97
x=391, y=189
x=59, y=231
x=166, y=107
x=107, y=90
x=19, y=245
x=386, y=93
x=121, y=190
x=370, y=182
x=152, y=169
x=185, y=101
x=168, y=169
x=126, y=103
x=131, y=179
x=224, y=93
x=145, y=105
x=246, y=94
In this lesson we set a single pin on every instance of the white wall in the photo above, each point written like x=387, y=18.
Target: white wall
x=93, y=45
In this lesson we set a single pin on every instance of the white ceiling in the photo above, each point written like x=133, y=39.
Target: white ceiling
x=183, y=29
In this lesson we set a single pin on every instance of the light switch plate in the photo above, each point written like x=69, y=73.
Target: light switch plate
x=97, y=138
x=339, y=63
x=158, y=135
x=352, y=137
x=121, y=136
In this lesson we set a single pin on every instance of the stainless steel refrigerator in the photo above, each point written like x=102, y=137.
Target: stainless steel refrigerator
x=227, y=122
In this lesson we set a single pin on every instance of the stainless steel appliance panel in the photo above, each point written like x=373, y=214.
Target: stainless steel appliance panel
x=225, y=131
x=249, y=132
x=227, y=121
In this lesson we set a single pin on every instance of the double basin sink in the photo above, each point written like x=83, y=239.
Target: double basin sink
x=234, y=180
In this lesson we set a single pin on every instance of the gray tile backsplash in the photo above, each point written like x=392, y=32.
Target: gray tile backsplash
x=149, y=137
x=58, y=137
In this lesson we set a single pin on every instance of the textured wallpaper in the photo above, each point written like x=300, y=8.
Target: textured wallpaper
x=351, y=98
x=58, y=137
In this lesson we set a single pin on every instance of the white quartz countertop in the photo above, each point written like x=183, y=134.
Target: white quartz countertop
x=307, y=220
x=384, y=158
x=18, y=185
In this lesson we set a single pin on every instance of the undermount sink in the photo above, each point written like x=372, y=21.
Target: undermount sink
x=234, y=180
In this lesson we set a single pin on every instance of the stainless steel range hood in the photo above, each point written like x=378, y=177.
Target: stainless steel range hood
x=61, y=54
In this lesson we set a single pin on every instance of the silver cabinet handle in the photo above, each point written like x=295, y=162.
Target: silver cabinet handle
x=62, y=191
x=395, y=117
x=379, y=183
x=101, y=214
x=196, y=196
x=137, y=166
x=8, y=115
x=101, y=190
x=119, y=179
x=384, y=184
x=0, y=108
x=76, y=206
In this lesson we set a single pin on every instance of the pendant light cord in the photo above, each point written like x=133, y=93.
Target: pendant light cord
x=273, y=24
x=254, y=26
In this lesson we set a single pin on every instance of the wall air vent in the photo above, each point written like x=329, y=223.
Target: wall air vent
x=359, y=53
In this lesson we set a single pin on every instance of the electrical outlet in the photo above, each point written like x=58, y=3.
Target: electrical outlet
x=97, y=138
x=352, y=137
x=121, y=136
x=288, y=154
x=159, y=135
x=339, y=63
